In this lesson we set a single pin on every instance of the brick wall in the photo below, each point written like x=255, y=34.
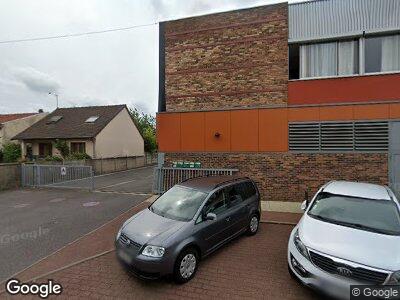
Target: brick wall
x=285, y=176
x=226, y=60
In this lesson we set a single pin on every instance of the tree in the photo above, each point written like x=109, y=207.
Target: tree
x=146, y=124
x=11, y=152
x=62, y=147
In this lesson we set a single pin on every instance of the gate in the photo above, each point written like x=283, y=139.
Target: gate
x=64, y=176
x=394, y=157
x=165, y=178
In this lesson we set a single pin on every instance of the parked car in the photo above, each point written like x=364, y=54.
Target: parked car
x=348, y=235
x=187, y=223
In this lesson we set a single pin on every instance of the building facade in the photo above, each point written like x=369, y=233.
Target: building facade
x=291, y=95
x=98, y=131
x=12, y=124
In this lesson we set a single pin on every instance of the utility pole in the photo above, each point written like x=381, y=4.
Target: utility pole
x=56, y=95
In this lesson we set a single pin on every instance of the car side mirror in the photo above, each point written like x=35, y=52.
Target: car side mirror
x=304, y=205
x=211, y=216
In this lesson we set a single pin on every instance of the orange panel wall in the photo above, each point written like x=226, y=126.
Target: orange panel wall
x=169, y=132
x=303, y=114
x=394, y=111
x=192, y=131
x=244, y=130
x=217, y=123
x=255, y=129
x=336, y=113
x=341, y=90
x=371, y=112
x=273, y=130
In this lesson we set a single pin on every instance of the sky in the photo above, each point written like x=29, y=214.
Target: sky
x=118, y=67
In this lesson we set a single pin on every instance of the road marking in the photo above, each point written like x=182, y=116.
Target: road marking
x=56, y=200
x=90, y=204
x=21, y=205
x=116, y=184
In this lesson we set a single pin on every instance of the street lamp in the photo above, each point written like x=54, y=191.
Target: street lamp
x=56, y=95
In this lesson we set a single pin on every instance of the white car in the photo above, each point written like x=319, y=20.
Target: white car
x=348, y=235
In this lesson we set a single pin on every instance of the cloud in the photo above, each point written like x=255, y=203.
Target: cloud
x=35, y=80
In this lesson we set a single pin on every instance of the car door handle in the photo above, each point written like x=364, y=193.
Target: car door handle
x=227, y=219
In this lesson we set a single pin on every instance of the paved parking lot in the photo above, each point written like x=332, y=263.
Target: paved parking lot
x=247, y=268
x=35, y=223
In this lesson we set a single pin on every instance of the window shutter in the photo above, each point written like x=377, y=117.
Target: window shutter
x=304, y=136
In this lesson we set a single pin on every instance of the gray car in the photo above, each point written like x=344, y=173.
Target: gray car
x=187, y=223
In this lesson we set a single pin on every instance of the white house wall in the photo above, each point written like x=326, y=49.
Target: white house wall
x=119, y=138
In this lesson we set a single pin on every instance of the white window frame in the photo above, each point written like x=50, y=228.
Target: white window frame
x=361, y=58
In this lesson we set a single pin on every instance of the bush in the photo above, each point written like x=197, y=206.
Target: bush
x=62, y=147
x=11, y=152
x=78, y=156
x=53, y=158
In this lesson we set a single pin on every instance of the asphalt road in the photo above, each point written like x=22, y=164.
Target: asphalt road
x=35, y=223
x=131, y=181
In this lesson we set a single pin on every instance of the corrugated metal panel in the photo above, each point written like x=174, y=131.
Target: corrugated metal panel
x=324, y=19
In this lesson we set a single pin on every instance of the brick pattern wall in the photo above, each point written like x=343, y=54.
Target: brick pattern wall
x=227, y=60
x=285, y=176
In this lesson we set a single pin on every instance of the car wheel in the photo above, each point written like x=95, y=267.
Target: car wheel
x=253, y=224
x=186, y=265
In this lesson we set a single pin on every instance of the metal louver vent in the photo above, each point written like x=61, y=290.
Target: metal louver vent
x=371, y=136
x=304, y=136
x=339, y=136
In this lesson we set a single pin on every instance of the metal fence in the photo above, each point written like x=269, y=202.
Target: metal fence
x=167, y=177
x=66, y=176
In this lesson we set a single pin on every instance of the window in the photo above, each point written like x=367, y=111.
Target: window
x=92, y=119
x=380, y=216
x=79, y=147
x=54, y=119
x=339, y=136
x=179, y=203
x=341, y=58
x=45, y=149
x=328, y=59
x=382, y=54
x=245, y=189
x=233, y=194
x=216, y=204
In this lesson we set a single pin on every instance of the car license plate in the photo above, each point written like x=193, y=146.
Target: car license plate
x=124, y=256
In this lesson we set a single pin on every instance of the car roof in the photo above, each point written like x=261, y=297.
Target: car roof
x=358, y=189
x=209, y=183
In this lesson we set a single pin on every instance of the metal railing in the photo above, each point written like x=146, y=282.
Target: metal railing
x=167, y=177
x=66, y=176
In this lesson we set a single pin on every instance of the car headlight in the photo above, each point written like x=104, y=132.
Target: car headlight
x=118, y=234
x=299, y=245
x=153, y=251
x=394, y=278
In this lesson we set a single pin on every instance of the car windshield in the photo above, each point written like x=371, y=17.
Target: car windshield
x=178, y=203
x=380, y=216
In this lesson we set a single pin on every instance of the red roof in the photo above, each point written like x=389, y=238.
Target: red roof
x=11, y=117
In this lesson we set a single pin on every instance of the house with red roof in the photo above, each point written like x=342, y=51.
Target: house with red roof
x=13, y=124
